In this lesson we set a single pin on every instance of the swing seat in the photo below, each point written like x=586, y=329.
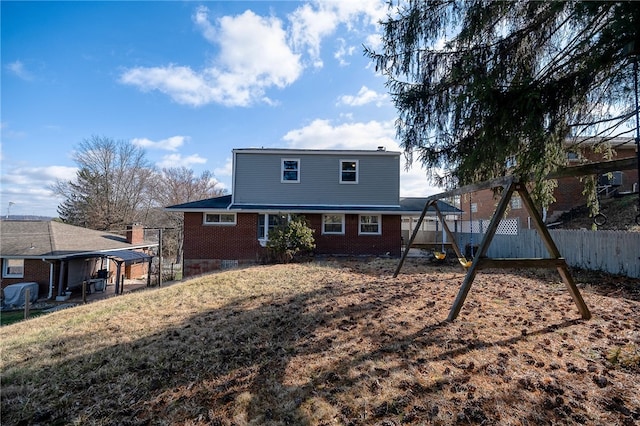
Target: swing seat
x=439, y=255
x=464, y=262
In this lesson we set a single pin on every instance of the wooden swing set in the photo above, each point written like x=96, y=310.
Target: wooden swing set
x=511, y=185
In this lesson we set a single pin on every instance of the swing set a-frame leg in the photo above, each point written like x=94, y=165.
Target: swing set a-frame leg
x=482, y=251
x=563, y=269
x=556, y=258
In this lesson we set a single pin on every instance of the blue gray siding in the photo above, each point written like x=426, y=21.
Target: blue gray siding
x=257, y=178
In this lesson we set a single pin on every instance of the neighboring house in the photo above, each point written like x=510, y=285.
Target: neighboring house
x=568, y=193
x=350, y=198
x=58, y=256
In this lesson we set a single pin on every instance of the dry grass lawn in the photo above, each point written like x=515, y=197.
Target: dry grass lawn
x=333, y=343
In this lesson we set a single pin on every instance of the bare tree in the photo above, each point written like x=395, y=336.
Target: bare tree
x=177, y=185
x=111, y=185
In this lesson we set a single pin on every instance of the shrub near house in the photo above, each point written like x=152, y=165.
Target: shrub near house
x=291, y=241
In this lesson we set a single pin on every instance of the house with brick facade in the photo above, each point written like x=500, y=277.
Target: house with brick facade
x=60, y=257
x=479, y=206
x=350, y=198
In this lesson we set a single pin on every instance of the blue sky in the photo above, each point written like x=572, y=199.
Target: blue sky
x=188, y=81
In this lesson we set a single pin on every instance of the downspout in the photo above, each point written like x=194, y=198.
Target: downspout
x=50, y=296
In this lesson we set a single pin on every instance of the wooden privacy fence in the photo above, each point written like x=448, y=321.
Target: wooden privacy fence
x=614, y=252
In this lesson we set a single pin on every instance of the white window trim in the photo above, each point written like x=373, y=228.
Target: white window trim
x=263, y=241
x=357, y=172
x=5, y=265
x=282, y=170
x=205, y=222
x=379, y=232
x=333, y=233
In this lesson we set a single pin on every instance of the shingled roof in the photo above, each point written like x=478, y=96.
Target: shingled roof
x=50, y=239
x=408, y=206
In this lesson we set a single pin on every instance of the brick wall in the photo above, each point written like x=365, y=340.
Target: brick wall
x=35, y=270
x=206, y=246
x=388, y=243
x=135, y=234
x=221, y=241
x=136, y=271
x=568, y=193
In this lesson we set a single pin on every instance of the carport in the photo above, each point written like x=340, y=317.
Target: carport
x=128, y=257
x=120, y=257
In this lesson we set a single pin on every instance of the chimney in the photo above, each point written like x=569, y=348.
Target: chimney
x=135, y=234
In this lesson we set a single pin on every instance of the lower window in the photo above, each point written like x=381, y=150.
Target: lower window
x=370, y=224
x=219, y=218
x=267, y=222
x=333, y=224
x=13, y=268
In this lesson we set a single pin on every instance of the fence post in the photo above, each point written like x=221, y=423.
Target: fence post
x=27, y=299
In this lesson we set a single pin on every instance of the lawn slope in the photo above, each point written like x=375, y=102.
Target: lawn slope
x=331, y=343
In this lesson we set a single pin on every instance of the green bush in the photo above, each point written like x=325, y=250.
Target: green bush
x=291, y=241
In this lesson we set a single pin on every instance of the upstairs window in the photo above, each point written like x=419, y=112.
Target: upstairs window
x=13, y=268
x=348, y=171
x=333, y=224
x=219, y=218
x=370, y=225
x=290, y=170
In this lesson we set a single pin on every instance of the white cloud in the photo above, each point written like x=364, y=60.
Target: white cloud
x=374, y=41
x=201, y=19
x=414, y=183
x=18, y=69
x=364, y=96
x=180, y=83
x=343, y=51
x=253, y=57
x=311, y=23
x=309, y=26
x=28, y=188
x=169, y=144
x=37, y=175
x=322, y=134
x=257, y=53
x=226, y=169
x=177, y=160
